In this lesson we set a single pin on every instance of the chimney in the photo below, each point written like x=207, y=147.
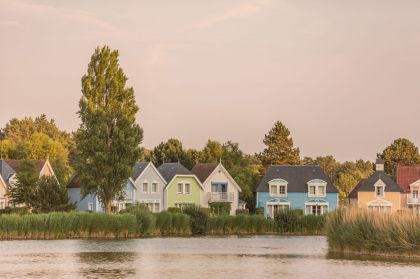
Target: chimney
x=379, y=165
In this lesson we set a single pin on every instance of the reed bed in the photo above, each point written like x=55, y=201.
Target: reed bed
x=240, y=225
x=366, y=232
x=58, y=225
x=168, y=223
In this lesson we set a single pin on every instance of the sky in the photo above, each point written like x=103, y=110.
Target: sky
x=343, y=76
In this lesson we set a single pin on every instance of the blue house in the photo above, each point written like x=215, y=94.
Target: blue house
x=296, y=187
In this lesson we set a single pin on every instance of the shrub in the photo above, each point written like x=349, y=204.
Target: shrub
x=17, y=210
x=293, y=221
x=145, y=219
x=172, y=223
x=174, y=209
x=259, y=211
x=242, y=211
x=220, y=208
x=198, y=218
x=240, y=224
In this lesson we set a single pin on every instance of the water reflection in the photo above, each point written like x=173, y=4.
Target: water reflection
x=106, y=264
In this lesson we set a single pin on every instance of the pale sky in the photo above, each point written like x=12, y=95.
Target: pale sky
x=343, y=76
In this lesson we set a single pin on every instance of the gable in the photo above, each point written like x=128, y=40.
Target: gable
x=220, y=174
x=185, y=178
x=150, y=174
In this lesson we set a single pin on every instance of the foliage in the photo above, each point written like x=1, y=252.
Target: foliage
x=293, y=221
x=174, y=209
x=22, y=190
x=14, y=210
x=240, y=224
x=198, y=218
x=108, y=138
x=145, y=219
x=49, y=196
x=171, y=152
x=259, y=211
x=58, y=225
x=168, y=223
x=242, y=211
x=212, y=152
x=220, y=208
x=401, y=151
x=279, y=147
x=364, y=231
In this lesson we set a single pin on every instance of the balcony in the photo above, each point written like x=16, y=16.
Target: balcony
x=413, y=200
x=220, y=197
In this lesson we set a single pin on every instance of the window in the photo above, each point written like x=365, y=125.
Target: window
x=272, y=209
x=180, y=186
x=213, y=188
x=316, y=209
x=282, y=190
x=312, y=190
x=379, y=190
x=145, y=186
x=415, y=194
x=154, y=187
x=321, y=190
x=90, y=206
x=187, y=188
x=273, y=189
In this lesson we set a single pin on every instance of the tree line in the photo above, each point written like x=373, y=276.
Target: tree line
x=107, y=144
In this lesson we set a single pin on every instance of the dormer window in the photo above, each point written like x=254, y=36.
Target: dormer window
x=379, y=189
x=278, y=188
x=317, y=188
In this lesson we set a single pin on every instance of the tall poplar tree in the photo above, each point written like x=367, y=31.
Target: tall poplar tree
x=279, y=147
x=108, y=138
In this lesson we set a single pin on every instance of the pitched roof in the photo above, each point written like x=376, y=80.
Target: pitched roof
x=297, y=177
x=367, y=185
x=407, y=175
x=138, y=169
x=6, y=171
x=15, y=164
x=202, y=171
x=169, y=170
x=74, y=182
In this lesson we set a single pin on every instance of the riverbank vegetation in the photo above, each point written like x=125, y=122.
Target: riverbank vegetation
x=138, y=221
x=366, y=232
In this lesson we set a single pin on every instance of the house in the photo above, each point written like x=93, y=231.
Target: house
x=378, y=192
x=408, y=178
x=219, y=186
x=149, y=186
x=296, y=187
x=8, y=171
x=183, y=187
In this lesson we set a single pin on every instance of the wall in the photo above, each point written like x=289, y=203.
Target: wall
x=172, y=196
x=150, y=175
x=393, y=197
x=82, y=205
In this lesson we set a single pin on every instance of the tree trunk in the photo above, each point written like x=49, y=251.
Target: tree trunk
x=108, y=206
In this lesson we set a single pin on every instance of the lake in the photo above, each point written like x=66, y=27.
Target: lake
x=207, y=257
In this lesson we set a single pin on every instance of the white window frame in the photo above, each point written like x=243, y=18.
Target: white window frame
x=318, y=184
x=277, y=183
x=157, y=187
x=182, y=188
x=185, y=188
x=90, y=206
x=321, y=204
x=378, y=185
x=269, y=207
x=147, y=187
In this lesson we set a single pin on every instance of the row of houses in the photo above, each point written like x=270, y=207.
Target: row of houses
x=304, y=187
x=380, y=192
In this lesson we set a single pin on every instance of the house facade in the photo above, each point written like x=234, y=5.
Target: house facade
x=219, y=186
x=379, y=192
x=149, y=186
x=183, y=187
x=408, y=178
x=296, y=187
x=9, y=170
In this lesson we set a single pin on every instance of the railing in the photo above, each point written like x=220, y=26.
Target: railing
x=220, y=197
x=413, y=200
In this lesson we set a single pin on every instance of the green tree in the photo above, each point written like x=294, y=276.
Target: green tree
x=212, y=152
x=49, y=196
x=22, y=190
x=167, y=152
x=401, y=151
x=108, y=138
x=279, y=147
x=329, y=165
x=308, y=161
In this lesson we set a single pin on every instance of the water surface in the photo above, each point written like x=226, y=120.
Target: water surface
x=233, y=257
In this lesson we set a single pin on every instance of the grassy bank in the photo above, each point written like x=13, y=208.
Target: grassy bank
x=367, y=232
x=138, y=222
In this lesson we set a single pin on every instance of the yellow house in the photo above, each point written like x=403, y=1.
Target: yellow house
x=379, y=192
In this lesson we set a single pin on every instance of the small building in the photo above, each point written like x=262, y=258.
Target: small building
x=219, y=186
x=408, y=178
x=183, y=187
x=296, y=187
x=379, y=192
x=9, y=170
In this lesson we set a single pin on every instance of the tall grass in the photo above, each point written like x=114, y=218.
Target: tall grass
x=168, y=223
x=294, y=222
x=66, y=225
x=363, y=231
x=240, y=224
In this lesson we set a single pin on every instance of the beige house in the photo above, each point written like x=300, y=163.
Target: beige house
x=219, y=186
x=379, y=192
